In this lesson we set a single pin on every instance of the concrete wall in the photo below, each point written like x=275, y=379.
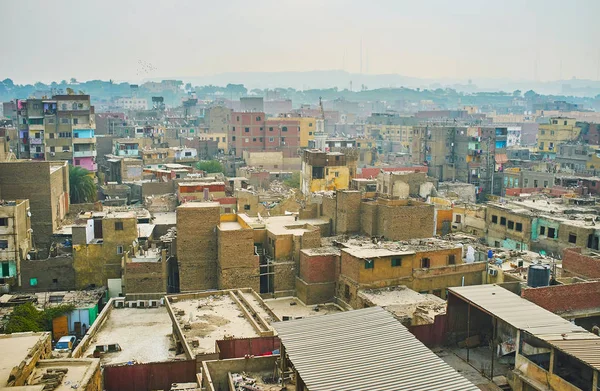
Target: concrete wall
x=197, y=252
x=215, y=373
x=42, y=349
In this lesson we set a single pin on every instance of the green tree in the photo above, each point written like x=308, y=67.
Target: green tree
x=210, y=166
x=82, y=186
x=293, y=181
x=26, y=317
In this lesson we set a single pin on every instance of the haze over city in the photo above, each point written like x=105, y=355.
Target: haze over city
x=536, y=40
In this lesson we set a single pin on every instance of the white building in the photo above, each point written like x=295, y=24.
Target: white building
x=132, y=103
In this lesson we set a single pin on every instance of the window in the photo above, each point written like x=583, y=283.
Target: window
x=369, y=264
x=258, y=118
x=33, y=282
x=502, y=220
x=63, y=106
x=55, y=280
x=519, y=227
x=451, y=259
x=283, y=140
x=310, y=134
x=65, y=148
x=64, y=120
x=75, y=121
x=238, y=118
x=119, y=249
x=233, y=138
x=458, y=219
x=511, y=224
x=247, y=207
x=246, y=130
x=188, y=154
x=425, y=262
x=254, y=139
x=50, y=120
x=543, y=132
x=494, y=219
x=347, y=291
x=260, y=139
x=552, y=232
x=52, y=149
x=56, y=298
x=51, y=135
x=572, y=238
x=270, y=129
x=271, y=139
x=284, y=129
x=310, y=124
x=74, y=106
x=3, y=244
x=552, y=132
x=542, y=230
x=233, y=129
x=246, y=140
x=396, y=262
x=4, y=222
x=223, y=139
x=77, y=162
x=565, y=122
x=118, y=226
x=545, y=183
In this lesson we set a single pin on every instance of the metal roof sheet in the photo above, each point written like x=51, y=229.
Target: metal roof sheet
x=527, y=316
x=366, y=349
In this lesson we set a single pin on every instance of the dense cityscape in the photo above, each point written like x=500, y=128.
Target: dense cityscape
x=364, y=232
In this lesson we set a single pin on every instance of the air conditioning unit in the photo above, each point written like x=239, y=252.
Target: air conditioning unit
x=492, y=272
x=131, y=304
x=119, y=303
x=142, y=303
x=153, y=303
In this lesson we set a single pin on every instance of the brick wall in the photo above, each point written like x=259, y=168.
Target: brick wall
x=197, y=245
x=237, y=263
x=563, y=298
x=579, y=264
x=348, y=207
x=403, y=222
x=284, y=280
x=315, y=268
x=145, y=277
x=53, y=274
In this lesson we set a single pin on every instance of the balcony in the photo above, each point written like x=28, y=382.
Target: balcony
x=39, y=128
x=84, y=140
x=84, y=153
x=36, y=141
x=128, y=152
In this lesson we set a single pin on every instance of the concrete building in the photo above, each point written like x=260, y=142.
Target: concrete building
x=131, y=103
x=508, y=226
x=559, y=130
x=252, y=104
x=15, y=239
x=46, y=185
x=217, y=118
x=100, y=245
x=326, y=171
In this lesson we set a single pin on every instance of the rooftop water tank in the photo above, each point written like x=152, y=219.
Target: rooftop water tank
x=538, y=275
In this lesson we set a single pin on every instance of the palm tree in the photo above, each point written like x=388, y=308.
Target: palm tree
x=83, y=188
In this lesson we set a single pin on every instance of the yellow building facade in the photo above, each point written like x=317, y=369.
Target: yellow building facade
x=558, y=130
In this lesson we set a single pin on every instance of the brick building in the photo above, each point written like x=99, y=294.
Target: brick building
x=15, y=239
x=46, y=185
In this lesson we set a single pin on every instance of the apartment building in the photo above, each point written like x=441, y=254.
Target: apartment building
x=327, y=170
x=15, y=238
x=131, y=103
x=62, y=128
x=559, y=130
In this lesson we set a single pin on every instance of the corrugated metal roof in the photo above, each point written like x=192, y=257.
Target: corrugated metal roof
x=527, y=316
x=516, y=311
x=365, y=349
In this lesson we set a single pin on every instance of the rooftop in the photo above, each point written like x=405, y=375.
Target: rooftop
x=282, y=225
x=362, y=247
x=15, y=348
x=78, y=372
x=206, y=319
x=366, y=349
x=164, y=218
x=291, y=308
x=144, y=335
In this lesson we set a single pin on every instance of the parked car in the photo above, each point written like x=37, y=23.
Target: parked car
x=65, y=344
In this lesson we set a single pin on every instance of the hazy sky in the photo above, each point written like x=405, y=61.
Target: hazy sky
x=106, y=39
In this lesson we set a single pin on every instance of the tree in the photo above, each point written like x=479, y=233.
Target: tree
x=73, y=80
x=81, y=183
x=26, y=317
x=210, y=166
x=293, y=181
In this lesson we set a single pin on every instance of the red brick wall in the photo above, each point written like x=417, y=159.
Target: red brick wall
x=561, y=298
x=318, y=268
x=583, y=265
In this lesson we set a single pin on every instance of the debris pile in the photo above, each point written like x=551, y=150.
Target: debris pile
x=244, y=382
x=52, y=378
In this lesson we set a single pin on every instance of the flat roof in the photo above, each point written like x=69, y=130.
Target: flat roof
x=374, y=252
x=292, y=308
x=164, y=218
x=404, y=302
x=211, y=318
x=202, y=204
x=229, y=226
x=366, y=349
x=15, y=348
x=79, y=372
x=144, y=335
